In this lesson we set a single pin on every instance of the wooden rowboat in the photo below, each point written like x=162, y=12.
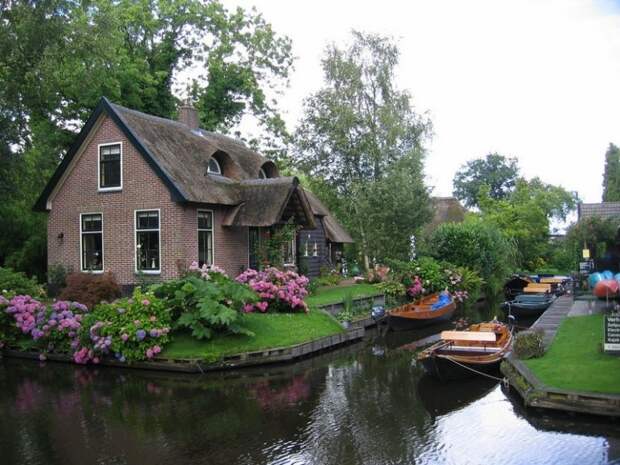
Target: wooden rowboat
x=460, y=354
x=432, y=309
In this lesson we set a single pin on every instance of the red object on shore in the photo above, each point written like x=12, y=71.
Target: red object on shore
x=606, y=288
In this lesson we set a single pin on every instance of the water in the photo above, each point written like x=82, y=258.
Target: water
x=364, y=404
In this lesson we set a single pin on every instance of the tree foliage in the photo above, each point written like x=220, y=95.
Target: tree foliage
x=495, y=172
x=58, y=57
x=599, y=235
x=611, y=175
x=361, y=142
x=525, y=217
x=478, y=245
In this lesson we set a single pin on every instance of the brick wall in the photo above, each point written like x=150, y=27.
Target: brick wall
x=142, y=189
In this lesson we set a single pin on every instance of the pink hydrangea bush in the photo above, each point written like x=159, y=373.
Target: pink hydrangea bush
x=279, y=291
x=416, y=289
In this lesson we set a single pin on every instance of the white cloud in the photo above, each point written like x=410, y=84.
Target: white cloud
x=538, y=80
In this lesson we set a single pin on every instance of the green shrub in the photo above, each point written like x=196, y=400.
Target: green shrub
x=56, y=278
x=18, y=283
x=528, y=344
x=206, y=307
x=328, y=277
x=91, y=289
x=312, y=286
x=478, y=246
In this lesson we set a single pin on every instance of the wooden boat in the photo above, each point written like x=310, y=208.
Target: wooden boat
x=460, y=354
x=432, y=309
x=606, y=288
x=528, y=305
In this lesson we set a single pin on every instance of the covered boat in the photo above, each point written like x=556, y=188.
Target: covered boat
x=429, y=310
x=462, y=354
x=528, y=305
x=515, y=286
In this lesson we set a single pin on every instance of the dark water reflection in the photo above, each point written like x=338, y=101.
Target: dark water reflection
x=365, y=404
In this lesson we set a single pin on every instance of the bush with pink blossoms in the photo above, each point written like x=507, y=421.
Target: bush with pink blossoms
x=279, y=291
x=128, y=329
x=204, y=271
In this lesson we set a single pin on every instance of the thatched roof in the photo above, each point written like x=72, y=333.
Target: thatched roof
x=445, y=210
x=333, y=230
x=604, y=210
x=271, y=201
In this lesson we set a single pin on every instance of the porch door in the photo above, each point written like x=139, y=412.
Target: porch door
x=254, y=246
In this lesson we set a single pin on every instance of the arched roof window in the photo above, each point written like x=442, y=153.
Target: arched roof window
x=214, y=167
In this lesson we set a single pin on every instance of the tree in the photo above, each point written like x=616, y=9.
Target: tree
x=525, y=216
x=71, y=53
x=355, y=133
x=611, y=175
x=495, y=171
x=599, y=235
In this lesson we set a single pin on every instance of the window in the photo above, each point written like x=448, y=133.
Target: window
x=205, y=238
x=290, y=252
x=262, y=174
x=110, y=169
x=91, y=241
x=214, y=167
x=147, y=241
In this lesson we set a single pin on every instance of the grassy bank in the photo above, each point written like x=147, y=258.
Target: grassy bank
x=331, y=295
x=575, y=359
x=271, y=330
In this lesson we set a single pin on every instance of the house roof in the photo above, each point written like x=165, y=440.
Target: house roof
x=602, y=210
x=333, y=230
x=270, y=201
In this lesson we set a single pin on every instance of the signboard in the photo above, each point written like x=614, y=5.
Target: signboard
x=611, y=343
x=585, y=253
x=584, y=267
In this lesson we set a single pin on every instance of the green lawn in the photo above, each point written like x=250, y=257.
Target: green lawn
x=271, y=330
x=575, y=359
x=332, y=295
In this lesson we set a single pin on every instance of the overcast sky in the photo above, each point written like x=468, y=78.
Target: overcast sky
x=538, y=80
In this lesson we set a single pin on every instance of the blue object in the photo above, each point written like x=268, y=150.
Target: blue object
x=377, y=312
x=594, y=278
x=444, y=299
x=608, y=274
x=617, y=277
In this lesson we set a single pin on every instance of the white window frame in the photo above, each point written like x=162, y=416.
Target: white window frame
x=219, y=167
x=294, y=242
x=82, y=246
x=135, y=240
x=204, y=210
x=108, y=189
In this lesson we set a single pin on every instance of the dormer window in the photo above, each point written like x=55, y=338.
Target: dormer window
x=262, y=174
x=110, y=167
x=214, y=167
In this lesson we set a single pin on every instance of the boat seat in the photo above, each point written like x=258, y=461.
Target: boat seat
x=478, y=336
x=472, y=349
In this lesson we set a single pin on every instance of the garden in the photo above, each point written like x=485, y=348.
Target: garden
x=205, y=314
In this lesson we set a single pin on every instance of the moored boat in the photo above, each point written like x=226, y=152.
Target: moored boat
x=461, y=354
x=432, y=309
x=528, y=305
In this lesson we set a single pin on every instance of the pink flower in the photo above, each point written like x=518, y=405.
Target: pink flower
x=124, y=337
x=145, y=302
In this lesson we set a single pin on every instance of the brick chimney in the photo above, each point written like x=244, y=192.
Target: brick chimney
x=188, y=115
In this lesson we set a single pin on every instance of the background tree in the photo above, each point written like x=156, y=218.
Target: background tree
x=525, y=216
x=58, y=57
x=353, y=134
x=599, y=235
x=495, y=171
x=611, y=175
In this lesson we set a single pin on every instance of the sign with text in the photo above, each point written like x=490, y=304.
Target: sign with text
x=612, y=334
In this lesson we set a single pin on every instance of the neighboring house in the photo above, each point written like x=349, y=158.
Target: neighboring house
x=445, y=210
x=141, y=195
x=605, y=210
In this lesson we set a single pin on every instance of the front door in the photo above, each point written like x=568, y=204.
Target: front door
x=254, y=247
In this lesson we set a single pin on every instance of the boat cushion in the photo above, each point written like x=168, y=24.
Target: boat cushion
x=484, y=336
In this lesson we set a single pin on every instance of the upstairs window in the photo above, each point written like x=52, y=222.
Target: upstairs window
x=110, y=167
x=214, y=167
x=205, y=237
x=91, y=241
x=147, y=241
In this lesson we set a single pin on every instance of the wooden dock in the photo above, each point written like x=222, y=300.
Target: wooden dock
x=535, y=393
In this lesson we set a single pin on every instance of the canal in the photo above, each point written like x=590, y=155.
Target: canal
x=364, y=404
